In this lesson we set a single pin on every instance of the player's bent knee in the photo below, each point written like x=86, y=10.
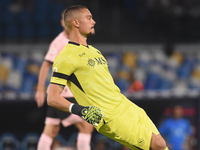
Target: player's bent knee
x=85, y=127
x=51, y=130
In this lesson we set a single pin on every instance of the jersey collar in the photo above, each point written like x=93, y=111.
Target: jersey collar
x=70, y=42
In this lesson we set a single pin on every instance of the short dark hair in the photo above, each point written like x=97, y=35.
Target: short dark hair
x=72, y=9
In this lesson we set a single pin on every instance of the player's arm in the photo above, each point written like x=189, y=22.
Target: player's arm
x=55, y=100
x=40, y=92
x=91, y=114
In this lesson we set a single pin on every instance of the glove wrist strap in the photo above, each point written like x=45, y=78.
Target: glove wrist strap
x=70, y=107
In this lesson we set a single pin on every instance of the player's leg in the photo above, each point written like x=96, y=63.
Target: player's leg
x=49, y=133
x=85, y=130
x=133, y=128
x=84, y=135
x=157, y=141
x=51, y=129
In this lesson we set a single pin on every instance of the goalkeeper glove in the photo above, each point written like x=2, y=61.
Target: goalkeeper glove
x=91, y=114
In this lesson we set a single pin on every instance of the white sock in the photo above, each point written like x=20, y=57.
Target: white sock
x=83, y=141
x=44, y=142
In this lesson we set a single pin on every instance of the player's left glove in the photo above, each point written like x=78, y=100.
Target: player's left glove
x=91, y=114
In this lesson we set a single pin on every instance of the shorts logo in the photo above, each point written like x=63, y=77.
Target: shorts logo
x=54, y=69
x=140, y=142
x=91, y=62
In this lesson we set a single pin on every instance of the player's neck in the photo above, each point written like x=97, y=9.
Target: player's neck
x=78, y=38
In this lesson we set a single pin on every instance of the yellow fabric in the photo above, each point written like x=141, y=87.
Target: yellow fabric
x=132, y=128
x=91, y=70
x=85, y=71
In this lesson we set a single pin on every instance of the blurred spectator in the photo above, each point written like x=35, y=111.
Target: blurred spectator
x=125, y=72
x=136, y=86
x=176, y=130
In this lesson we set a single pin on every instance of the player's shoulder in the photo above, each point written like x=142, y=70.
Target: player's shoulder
x=92, y=47
x=60, y=37
x=66, y=52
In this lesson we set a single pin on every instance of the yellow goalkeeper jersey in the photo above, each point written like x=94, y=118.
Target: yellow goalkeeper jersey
x=85, y=71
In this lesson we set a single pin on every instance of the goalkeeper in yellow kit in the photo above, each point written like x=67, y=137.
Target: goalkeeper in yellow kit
x=85, y=71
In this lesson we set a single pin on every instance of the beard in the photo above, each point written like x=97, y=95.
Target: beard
x=90, y=34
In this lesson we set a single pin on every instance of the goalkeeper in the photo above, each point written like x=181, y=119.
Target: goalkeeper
x=85, y=71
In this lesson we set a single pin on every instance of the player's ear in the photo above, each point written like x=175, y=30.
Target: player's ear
x=75, y=23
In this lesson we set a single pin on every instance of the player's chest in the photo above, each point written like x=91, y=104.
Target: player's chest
x=92, y=59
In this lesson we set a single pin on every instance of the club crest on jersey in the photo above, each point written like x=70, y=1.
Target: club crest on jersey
x=54, y=69
x=140, y=142
x=91, y=62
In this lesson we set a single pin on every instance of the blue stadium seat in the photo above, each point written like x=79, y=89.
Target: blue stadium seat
x=20, y=63
x=184, y=71
x=28, y=84
x=152, y=81
x=8, y=141
x=30, y=141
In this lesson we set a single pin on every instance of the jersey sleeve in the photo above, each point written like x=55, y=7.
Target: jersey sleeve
x=62, y=69
x=51, y=53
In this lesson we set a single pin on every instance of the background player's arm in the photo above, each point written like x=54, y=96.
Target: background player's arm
x=40, y=93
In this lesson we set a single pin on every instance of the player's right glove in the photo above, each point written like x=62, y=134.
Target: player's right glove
x=91, y=114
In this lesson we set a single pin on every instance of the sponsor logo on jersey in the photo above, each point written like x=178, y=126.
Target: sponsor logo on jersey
x=97, y=60
x=91, y=62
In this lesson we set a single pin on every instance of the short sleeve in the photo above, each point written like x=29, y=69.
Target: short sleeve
x=52, y=52
x=62, y=69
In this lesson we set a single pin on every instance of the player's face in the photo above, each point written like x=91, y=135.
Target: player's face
x=86, y=26
x=178, y=112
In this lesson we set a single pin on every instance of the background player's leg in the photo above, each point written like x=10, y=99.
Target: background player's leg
x=84, y=135
x=46, y=138
x=157, y=142
x=72, y=119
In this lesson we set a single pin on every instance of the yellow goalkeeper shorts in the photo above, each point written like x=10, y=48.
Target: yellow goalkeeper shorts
x=132, y=128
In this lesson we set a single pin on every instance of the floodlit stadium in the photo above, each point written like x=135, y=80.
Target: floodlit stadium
x=152, y=49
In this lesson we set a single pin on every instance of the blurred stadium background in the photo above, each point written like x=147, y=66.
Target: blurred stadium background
x=152, y=48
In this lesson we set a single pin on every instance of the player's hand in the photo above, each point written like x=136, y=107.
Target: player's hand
x=40, y=98
x=91, y=114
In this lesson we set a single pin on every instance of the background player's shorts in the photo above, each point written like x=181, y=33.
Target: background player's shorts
x=55, y=116
x=132, y=128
